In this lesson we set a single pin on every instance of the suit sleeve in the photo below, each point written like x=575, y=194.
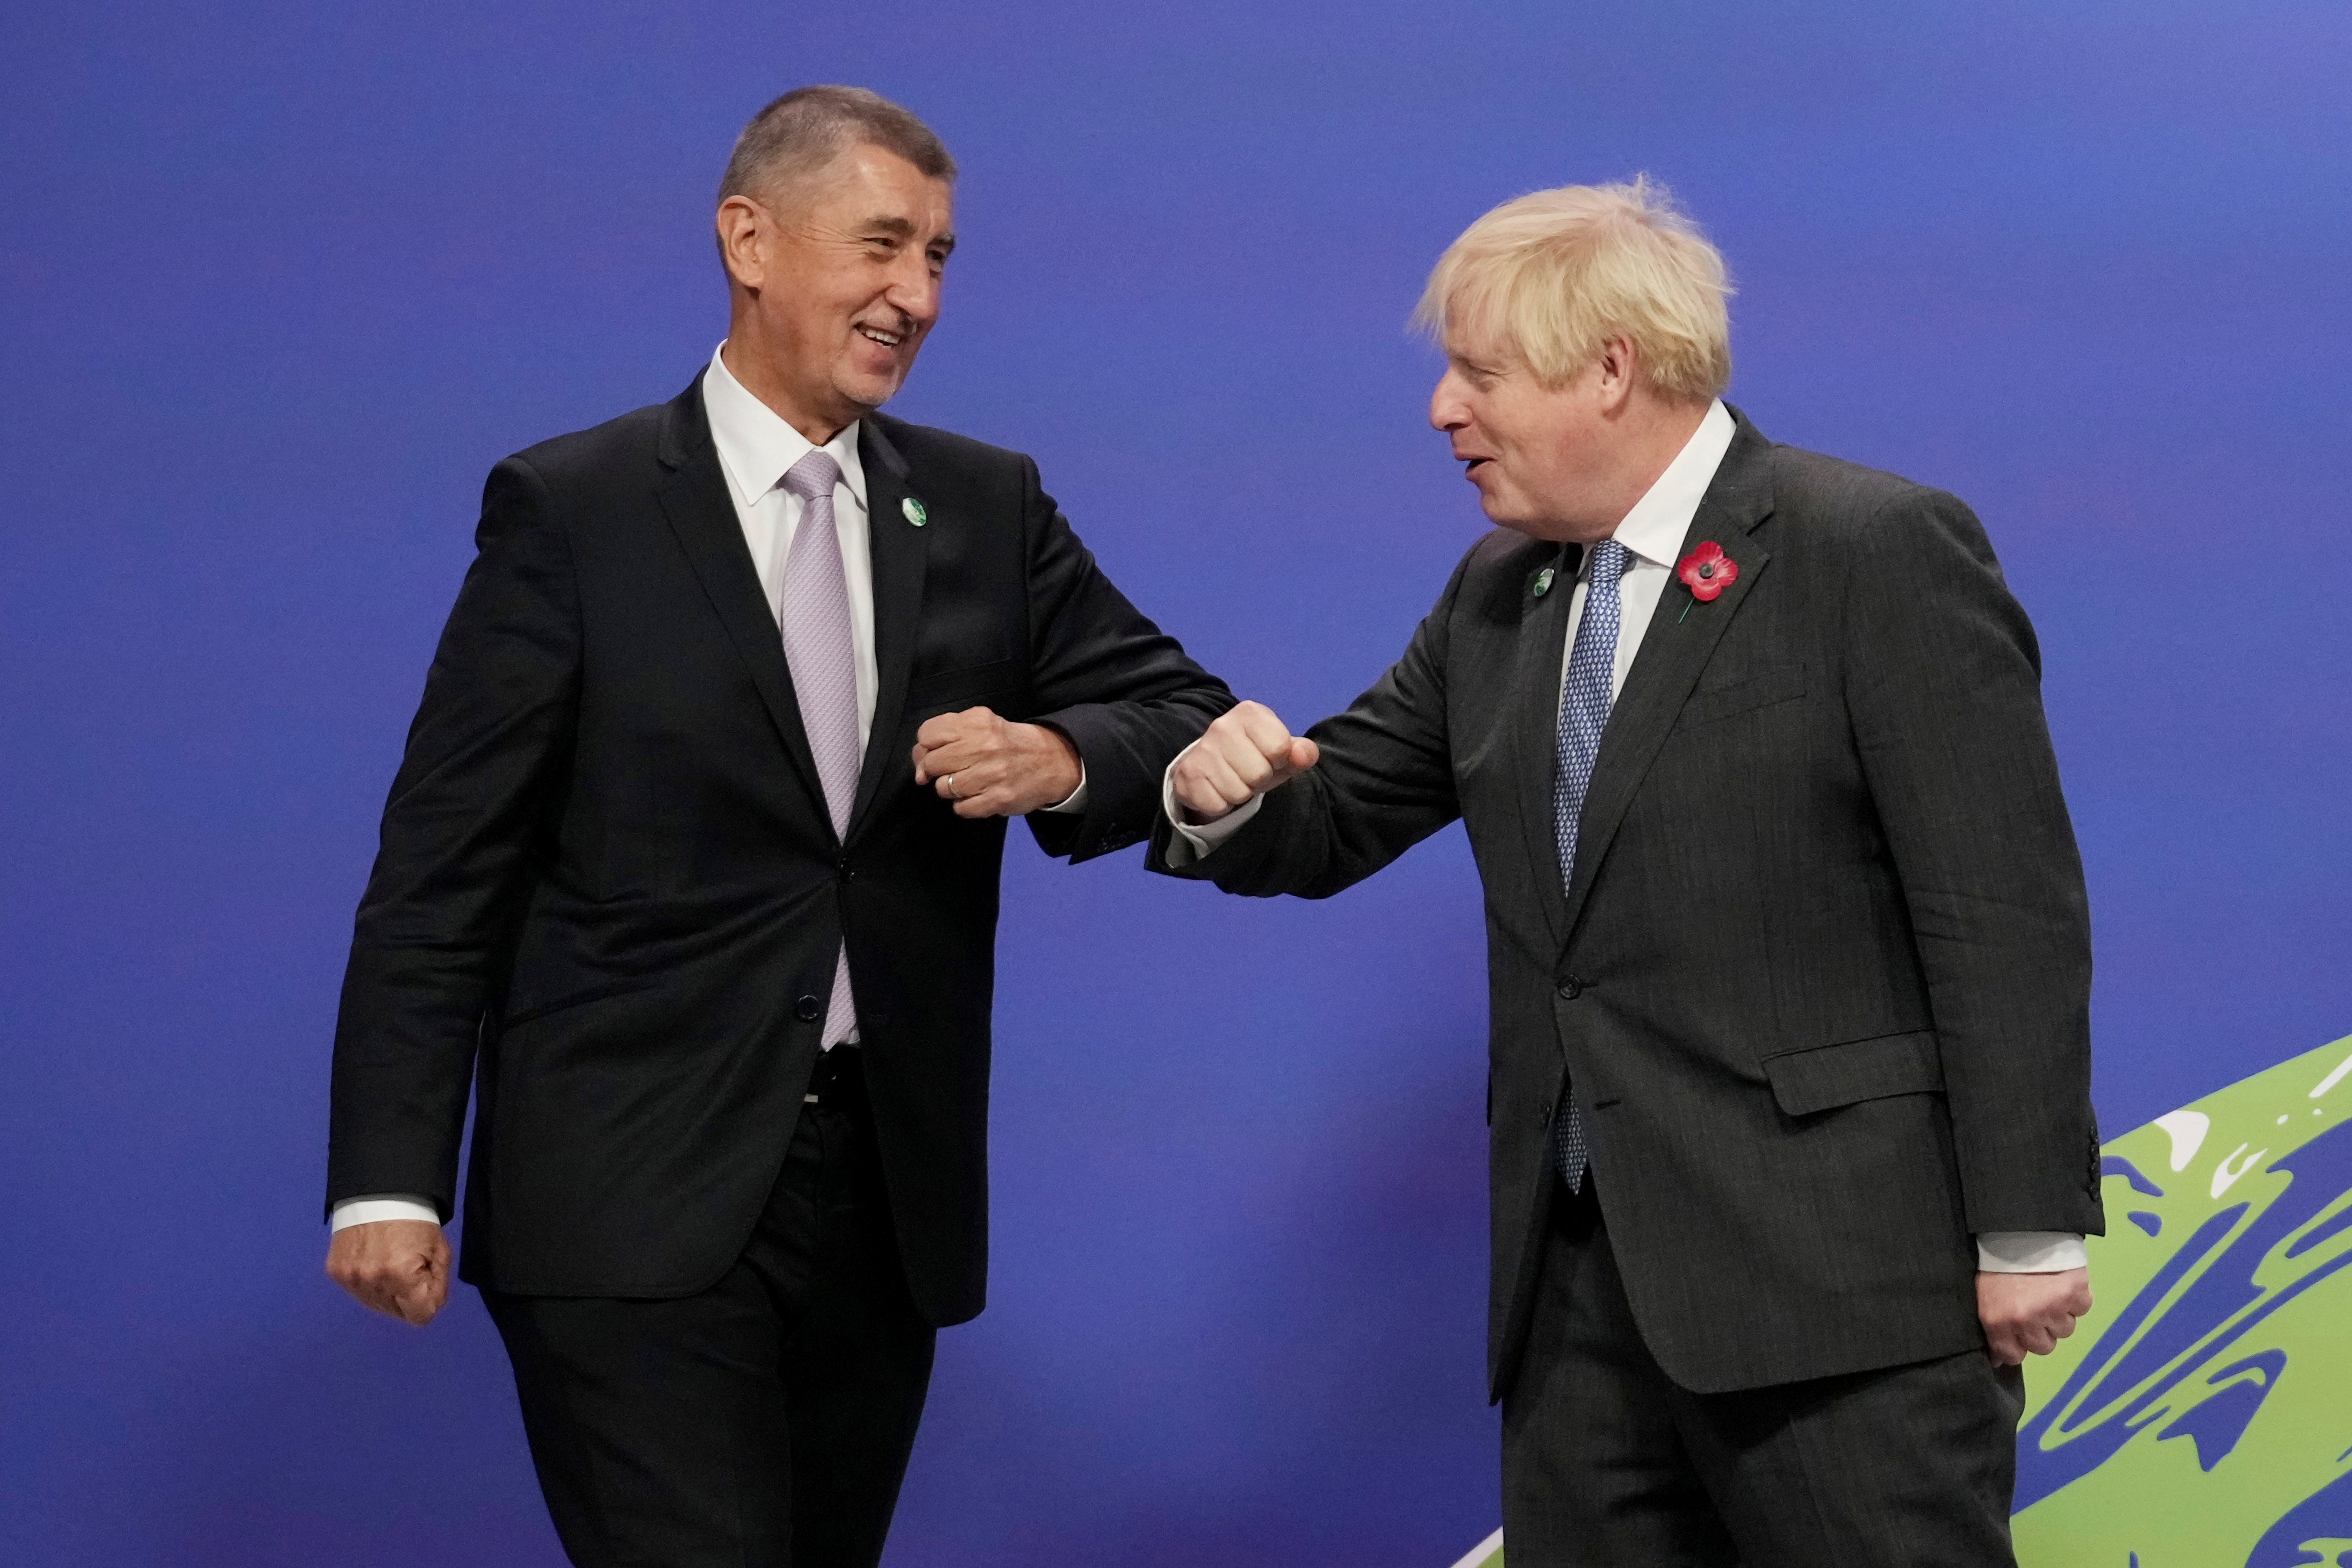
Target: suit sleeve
x=1119, y=687
x=436, y=927
x=1944, y=692
x=1384, y=783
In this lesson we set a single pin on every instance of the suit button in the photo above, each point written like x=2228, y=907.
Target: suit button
x=1571, y=989
x=808, y=1008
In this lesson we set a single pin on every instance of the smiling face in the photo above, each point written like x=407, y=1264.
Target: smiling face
x=836, y=287
x=1543, y=457
x=1561, y=463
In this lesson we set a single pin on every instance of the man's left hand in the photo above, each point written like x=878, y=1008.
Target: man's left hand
x=2030, y=1313
x=992, y=767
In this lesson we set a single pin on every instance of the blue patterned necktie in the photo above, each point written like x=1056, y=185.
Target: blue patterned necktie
x=823, y=658
x=1584, y=702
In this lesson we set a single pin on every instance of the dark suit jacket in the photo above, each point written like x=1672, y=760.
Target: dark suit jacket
x=1822, y=976
x=609, y=890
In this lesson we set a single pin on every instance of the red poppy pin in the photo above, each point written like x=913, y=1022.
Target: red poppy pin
x=1707, y=571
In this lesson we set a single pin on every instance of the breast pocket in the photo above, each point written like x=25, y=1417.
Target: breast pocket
x=1766, y=689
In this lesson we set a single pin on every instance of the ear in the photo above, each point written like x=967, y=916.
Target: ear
x=1619, y=365
x=743, y=231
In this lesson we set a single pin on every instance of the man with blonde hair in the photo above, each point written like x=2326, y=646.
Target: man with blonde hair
x=1792, y=1145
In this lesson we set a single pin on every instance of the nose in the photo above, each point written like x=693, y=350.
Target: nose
x=914, y=287
x=1446, y=408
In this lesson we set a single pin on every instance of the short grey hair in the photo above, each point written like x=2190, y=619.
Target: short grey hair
x=805, y=130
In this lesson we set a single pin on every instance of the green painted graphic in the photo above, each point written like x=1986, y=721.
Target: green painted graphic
x=2202, y=1415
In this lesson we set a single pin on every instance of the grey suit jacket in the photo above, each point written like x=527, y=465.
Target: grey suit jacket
x=1820, y=978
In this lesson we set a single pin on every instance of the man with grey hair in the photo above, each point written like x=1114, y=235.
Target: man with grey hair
x=690, y=871
x=1791, y=1136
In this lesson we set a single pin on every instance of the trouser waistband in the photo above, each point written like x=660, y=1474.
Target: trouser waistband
x=839, y=1080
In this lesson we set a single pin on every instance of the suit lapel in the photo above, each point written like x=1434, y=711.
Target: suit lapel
x=1674, y=652
x=901, y=554
x=701, y=513
x=1543, y=645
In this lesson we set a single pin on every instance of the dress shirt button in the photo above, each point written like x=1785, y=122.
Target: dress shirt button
x=1571, y=989
x=809, y=1008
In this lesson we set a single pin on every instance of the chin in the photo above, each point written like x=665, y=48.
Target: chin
x=1500, y=513
x=868, y=392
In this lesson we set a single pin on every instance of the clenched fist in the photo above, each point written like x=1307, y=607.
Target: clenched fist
x=1245, y=753
x=399, y=1266
x=993, y=767
x=2029, y=1314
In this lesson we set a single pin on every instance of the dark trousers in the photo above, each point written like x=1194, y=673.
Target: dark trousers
x=766, y=1422
x=1607, y=1463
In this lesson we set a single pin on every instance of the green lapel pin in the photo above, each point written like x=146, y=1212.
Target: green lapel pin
x=1543, y=581
x=914, y=510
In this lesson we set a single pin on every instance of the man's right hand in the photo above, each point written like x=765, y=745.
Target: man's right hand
x=399, y=1266
x=1247, y=752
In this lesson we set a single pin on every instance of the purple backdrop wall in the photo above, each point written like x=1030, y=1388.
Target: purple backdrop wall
x=282, y=282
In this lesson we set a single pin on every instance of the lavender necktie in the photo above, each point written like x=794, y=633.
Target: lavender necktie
x=1584, y=704
x=814, y=615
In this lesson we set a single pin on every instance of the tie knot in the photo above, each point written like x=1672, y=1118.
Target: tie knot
x=1610, y=560
x=812, y=475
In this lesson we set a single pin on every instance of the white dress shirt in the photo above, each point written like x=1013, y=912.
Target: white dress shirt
x=1652, y=535
x=757, y=447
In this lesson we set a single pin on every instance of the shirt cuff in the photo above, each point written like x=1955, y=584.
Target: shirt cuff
x=1078, y=801
x=2030, y=1252
x=379, y=1206
x=1194, y=840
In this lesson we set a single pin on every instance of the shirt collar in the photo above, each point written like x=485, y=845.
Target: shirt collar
x=1653, y=530
x=756, y=448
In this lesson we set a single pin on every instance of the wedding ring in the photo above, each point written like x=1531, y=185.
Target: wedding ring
x=950, y=781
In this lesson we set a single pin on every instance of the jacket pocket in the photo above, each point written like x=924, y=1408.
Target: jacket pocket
x=569, y=1000
x=1821, y=1078
x=1782, y=683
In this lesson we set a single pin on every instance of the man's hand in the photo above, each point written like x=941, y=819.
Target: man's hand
x=1244, y=754
x=399, y=1266
x=2029, y=1312
x=992, y=767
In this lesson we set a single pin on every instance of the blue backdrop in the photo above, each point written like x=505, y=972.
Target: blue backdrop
x=281, y=283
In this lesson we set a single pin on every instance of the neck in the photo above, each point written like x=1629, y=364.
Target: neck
x=760, y=371
x=1654, y=434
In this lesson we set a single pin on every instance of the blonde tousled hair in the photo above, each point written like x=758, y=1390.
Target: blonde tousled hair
x=1553, y=277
